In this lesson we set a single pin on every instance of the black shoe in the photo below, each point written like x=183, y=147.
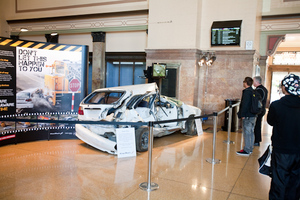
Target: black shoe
x=257, y=144
x=242, y=153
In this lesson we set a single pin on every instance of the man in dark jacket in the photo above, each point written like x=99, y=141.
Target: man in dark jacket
x=264, y=94
x=247, y=117
x=284, y=116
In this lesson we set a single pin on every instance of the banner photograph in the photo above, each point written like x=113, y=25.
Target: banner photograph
x=40, y=81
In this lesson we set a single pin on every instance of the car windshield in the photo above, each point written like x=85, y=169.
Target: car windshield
x=106, y=97
x=177, y=102
x=141, y=101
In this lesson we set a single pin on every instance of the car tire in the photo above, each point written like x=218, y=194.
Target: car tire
x=141, y=139
x=191, y=126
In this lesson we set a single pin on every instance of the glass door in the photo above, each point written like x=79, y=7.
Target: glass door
x=277, y=77
x=124, y=73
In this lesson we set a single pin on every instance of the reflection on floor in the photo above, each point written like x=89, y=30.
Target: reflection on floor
x=70, y=169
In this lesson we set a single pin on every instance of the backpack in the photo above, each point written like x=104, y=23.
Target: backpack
x=256, y=103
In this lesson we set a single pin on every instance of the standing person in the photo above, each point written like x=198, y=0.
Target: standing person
x=284, y=116
x=264, y=94
x=247, y=117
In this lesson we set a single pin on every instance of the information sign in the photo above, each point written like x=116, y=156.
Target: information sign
x=126, y=142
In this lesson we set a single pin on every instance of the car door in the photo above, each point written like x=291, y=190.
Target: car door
x=165, y=110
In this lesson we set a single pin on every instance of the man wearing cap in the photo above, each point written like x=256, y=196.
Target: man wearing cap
x=284, y=116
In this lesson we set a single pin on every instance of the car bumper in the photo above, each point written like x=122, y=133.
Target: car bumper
x=95, y=140
x=24, y=105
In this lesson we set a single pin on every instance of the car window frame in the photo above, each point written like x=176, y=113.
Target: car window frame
x=104, y=91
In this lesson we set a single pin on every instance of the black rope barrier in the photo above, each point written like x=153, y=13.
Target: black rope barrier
x=148, y=186
x=101, y=122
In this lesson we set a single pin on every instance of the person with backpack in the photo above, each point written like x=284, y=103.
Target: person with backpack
x=264, y=94
x=248, y=118
x=284, y=116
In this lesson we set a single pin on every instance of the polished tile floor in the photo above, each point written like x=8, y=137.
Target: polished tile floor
x=70, y=169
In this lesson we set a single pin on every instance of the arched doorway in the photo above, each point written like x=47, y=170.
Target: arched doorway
x=283, y=58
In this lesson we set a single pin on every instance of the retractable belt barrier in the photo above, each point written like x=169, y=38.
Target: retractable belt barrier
x=230, y=107
x=147, y=186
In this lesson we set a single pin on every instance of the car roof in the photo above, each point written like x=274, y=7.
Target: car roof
x=135, y=89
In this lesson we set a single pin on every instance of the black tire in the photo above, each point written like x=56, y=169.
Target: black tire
x=141, y=139
x=191, y=127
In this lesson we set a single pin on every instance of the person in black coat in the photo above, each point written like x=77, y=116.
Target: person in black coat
x=284, y=116
x=248, y=118
x=264, y=94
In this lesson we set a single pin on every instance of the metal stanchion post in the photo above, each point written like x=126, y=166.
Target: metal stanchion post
x=229, y=126
x=148, y=186
x=213, y=160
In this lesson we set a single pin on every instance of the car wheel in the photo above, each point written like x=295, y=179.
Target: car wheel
x=191, y=127
x=141, y=139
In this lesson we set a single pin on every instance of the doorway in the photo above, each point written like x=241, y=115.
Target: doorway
x=125, y=69
x=277, y=77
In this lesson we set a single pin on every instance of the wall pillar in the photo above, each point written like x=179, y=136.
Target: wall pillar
x=263, y=68
x=98, y=78
x=51, y=38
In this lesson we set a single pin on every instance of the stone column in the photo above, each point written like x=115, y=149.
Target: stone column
x=14, y=37
x=98, y=78
x=263, y=69
x=51, y=38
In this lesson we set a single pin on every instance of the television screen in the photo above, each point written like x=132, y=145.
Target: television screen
x=225, y=33
x=159, y=70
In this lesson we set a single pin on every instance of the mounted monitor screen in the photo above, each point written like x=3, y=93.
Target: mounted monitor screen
x=226, y=33
x=159, y=70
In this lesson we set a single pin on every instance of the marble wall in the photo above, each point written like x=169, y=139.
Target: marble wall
x=208, y=87
x=187, y=79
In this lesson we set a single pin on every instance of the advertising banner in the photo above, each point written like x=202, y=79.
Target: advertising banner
x=40, y=81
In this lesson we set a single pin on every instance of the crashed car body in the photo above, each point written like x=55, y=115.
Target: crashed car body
x=24, y=100
x=134, y=103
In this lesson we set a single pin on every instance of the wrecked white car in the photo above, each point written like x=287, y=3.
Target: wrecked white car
x=134, y=103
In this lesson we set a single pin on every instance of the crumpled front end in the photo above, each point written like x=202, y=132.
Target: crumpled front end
x=99, y=137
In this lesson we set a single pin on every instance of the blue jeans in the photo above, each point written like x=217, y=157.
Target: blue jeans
x=248, y=133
